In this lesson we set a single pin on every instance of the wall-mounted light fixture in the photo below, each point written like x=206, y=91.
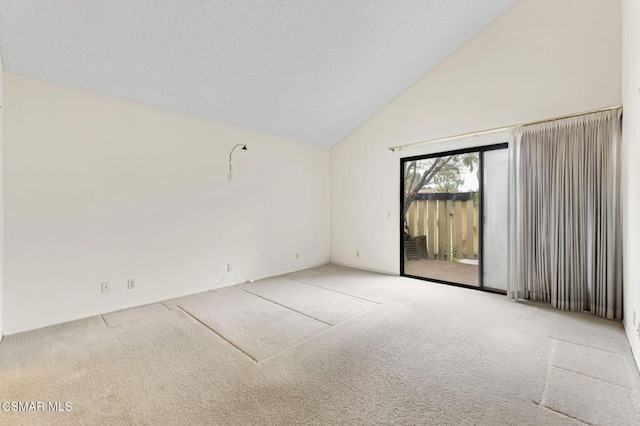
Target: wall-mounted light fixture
x=244, y=147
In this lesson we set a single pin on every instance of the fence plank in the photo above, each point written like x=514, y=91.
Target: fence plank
x=432, y=245
x=450, y=227
x=457, y=226
x=470, y=233
x=422, y=213
x=442, y=220
x=411, y=219
x=476, y=246
x=443, y=229
x=450, y=235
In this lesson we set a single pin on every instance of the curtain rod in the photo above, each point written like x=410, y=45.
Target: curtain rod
x=497, y=129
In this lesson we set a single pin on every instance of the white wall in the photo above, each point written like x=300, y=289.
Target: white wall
x=1, y=206
x=101, y=189
x=541, y=59
x=631, y=170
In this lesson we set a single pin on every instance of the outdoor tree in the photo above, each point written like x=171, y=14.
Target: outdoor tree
x=441, y=174
x=448, y=180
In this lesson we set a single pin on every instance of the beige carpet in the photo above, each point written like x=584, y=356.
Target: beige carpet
x=256, y=327
x=329, y=345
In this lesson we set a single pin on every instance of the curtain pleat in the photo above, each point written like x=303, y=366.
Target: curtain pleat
x=564, y=213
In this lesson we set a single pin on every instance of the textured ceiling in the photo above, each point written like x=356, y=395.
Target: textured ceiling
x=308, y=70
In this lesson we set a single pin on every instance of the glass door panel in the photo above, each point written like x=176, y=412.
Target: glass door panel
x=441, y=218
x=494, y=232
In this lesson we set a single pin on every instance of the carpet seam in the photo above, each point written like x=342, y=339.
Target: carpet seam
x=335, y=291
x=162, y=303
x=593, y=378
x=318, y=334
x=553, y=410
x=219, y=335
x=586, y=346
x=104, y=321
x=297, y=272
x=287, y=307
x=546, y=374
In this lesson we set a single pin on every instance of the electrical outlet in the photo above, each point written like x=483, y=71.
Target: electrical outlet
x=297, y=255
x=131, y=284
x=105, y=286
x=228, y=267
x=357, y=253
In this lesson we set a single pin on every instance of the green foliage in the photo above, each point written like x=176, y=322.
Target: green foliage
x=445, y=172
x=438, y=174
x=449, y=179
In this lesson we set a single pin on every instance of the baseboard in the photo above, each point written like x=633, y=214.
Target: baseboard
x=65, y=319
x=377, y=271
x=630, y=333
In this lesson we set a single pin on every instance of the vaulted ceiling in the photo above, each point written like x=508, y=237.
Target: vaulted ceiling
x=308, y=70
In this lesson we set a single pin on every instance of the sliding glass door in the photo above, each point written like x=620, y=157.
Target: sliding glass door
x=449, y=202
x=441, y=211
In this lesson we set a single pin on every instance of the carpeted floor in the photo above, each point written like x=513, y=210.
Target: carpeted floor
x=329, y=345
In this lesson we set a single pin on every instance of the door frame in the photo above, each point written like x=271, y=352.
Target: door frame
x=480, y=150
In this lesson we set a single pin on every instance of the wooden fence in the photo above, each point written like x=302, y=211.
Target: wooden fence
x=447, y=223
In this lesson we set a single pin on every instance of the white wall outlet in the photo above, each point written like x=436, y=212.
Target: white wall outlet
x=228, y=267
x=357, y=253
x=105, y=287
x=131, y=284
x=297, y=255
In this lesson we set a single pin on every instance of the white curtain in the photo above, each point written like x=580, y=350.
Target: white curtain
x=564, y=214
